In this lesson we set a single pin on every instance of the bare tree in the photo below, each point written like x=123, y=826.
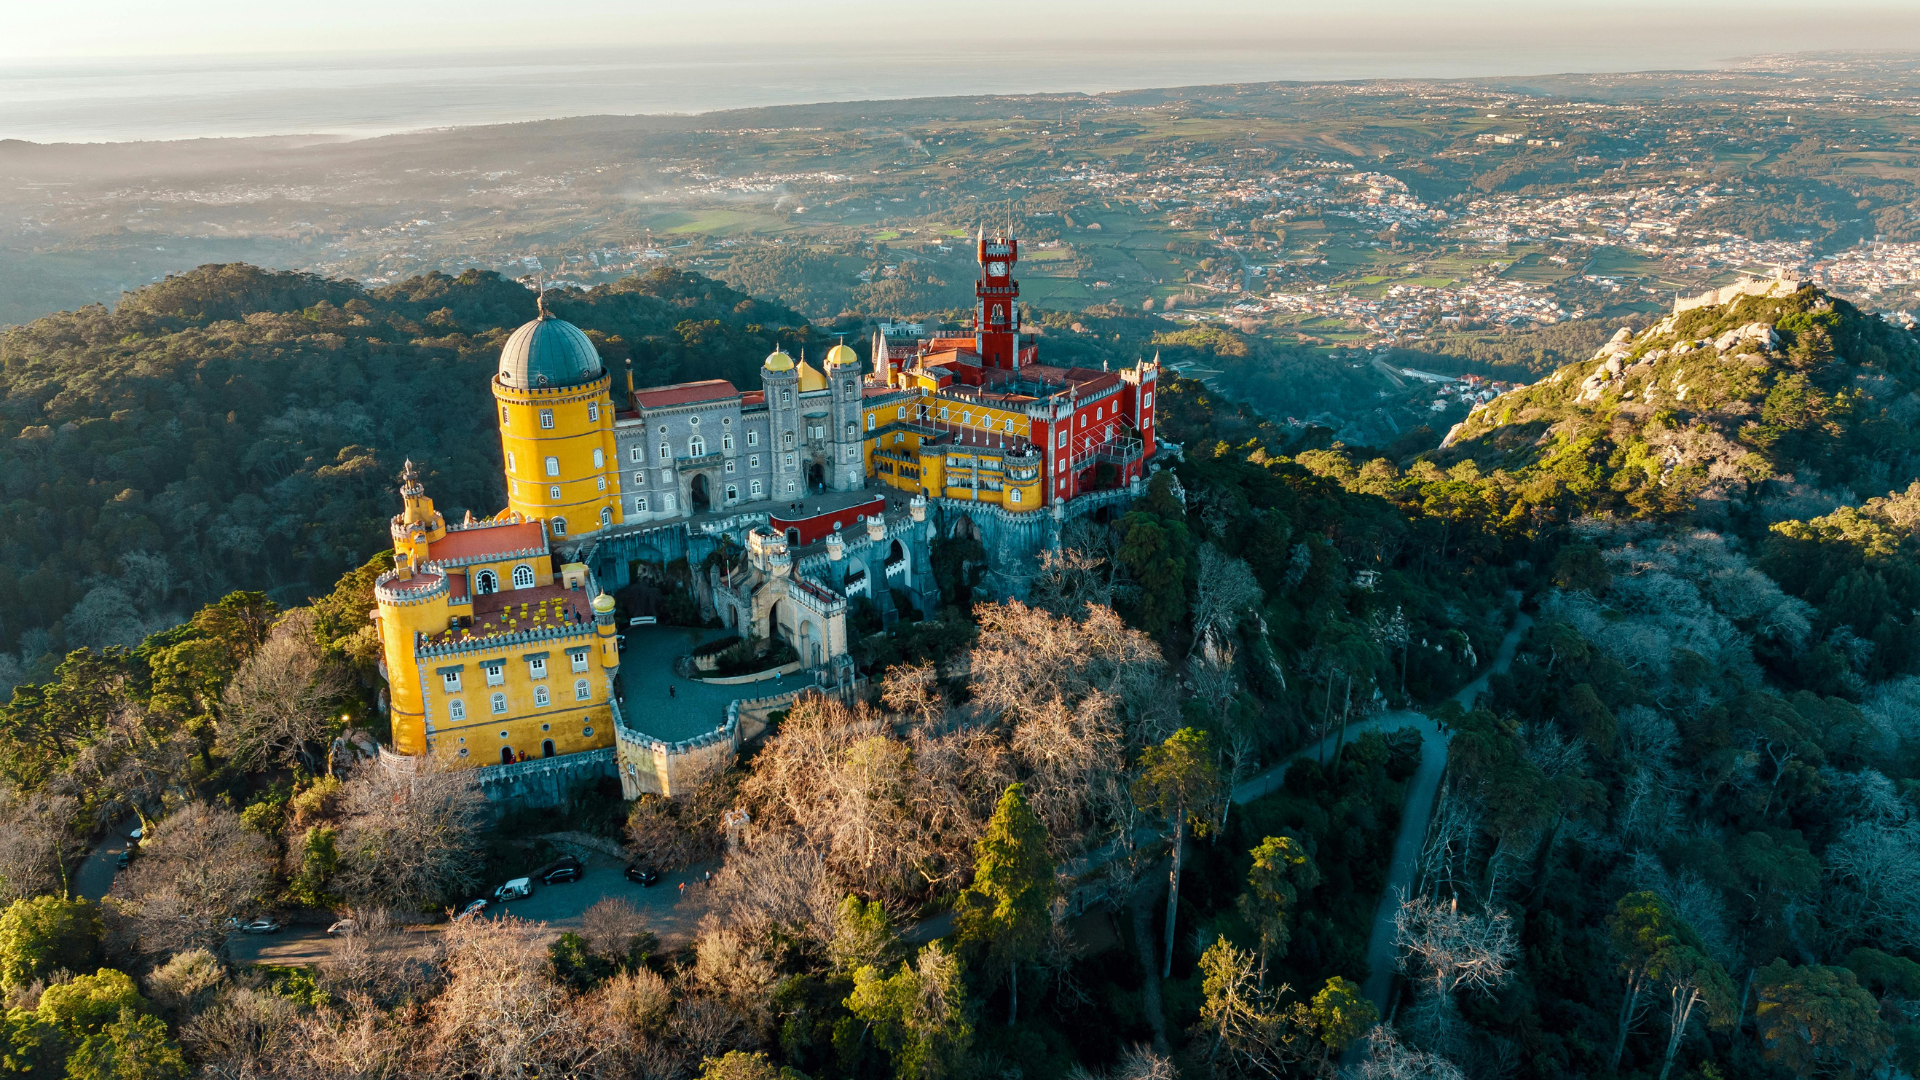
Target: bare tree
x=914, y=691
x=1066, y=751
x=283, y=698
x=198, y=868
x=1390, y=1059
x=1224, y=589
x=1026, y=656
x=1876, y=872
x=409, y=837
x=246, y=1034
x=1137, y=1062
x=772, y=880
x=131, y=765
x=501, y=1017
x=38, y=841
x=1447, y=949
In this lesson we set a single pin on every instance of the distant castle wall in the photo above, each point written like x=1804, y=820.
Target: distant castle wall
x=1775, y=287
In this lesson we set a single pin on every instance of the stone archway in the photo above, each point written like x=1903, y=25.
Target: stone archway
x=816, y=477
x=773, y=623
x=809, y=644
x=698, y=495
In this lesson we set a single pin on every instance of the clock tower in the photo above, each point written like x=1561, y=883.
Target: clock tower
x=996, y=310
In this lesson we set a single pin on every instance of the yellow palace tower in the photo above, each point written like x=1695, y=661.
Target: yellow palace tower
x=556, y=428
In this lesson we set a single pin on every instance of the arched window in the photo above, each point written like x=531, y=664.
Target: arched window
x=733, y=492
x=486, y=581
x=852, y=432
x=870, y=421
x=541, y=697
x=559, y=526
x=546, y=748
x=666, y=453
x=523, y=576
x=499, y=703
x=580, y=690
x=1013, y=495
x=546, y=419
x=726, y=441
x=696, y=446
x=554, y=493
x=553, y=466
x=599, y=458
x=606, y=516
x=456, y=710
x=506, y=752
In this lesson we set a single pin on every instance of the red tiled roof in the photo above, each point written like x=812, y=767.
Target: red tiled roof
x=753, y=397
x=939, y=344
x=487, y=540
x=686, y=393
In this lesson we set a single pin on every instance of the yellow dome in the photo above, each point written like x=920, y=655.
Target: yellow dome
x=810, y=378
x=842, y=354
x=602, y=603
x=779, y=361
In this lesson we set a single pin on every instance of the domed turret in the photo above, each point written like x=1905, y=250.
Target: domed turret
x=841, y=354
x=811, y=379
x=548, y=352
x=778, y=360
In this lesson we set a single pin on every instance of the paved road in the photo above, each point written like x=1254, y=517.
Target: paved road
x=669, y=913
x=1421, y=792
x=95, y=874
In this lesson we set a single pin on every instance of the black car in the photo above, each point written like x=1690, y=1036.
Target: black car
x=561, y=874
x=641, y=875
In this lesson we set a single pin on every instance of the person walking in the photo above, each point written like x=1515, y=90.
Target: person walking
x=672, y=690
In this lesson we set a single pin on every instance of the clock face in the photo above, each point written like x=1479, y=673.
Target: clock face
x=996, y=269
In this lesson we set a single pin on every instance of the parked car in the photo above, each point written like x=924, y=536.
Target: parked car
x=343, y=928
x=561, y=874
x=254, y=926
x=474, y=907
x=138, y=831
x=125, y=858
x=518, y=889
x=641, y=875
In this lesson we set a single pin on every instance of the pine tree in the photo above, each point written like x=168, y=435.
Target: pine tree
x=1008, y=907
x=1179, y=781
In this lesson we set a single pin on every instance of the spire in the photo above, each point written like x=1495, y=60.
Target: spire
x=410, y=479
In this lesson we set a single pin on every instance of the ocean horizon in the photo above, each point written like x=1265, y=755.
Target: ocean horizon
x=364, y=95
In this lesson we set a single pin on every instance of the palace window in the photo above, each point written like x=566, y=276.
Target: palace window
x=546, y=419
x=579, y=660
x=789, y=461
x=753, y=461
x=729, y=466
x=581, y=691
x=726, y=441
x=593, y=410
x=554, y=493
x=537, y=667
x=754, y=489
x=599, y=458
x=852, y=432
x=753, y=438
x=733, y=493
x=553, y=466
x=1013, y=495
x=1148, y=400
x=900, y=413
x=541, y=697
x=786, y=398
x=789, y=440
x=1063, y=438
x=696, y=446
x=456, y=710
x=496, y=673
x=666, y=452
x=559, y=526
x=666, y=477
x=693, y=421
x=640, y=479
x=606, y=516
x=503, y=414
x=637, y=455
x=639, y=506
x=601, y=481
x=450, y=681
x=816, y=431
x=667, y=502
x=486, y=581
x=499, y=703
x=587, y=732
x=523, y=576
x=789, y=487
x=509, y=461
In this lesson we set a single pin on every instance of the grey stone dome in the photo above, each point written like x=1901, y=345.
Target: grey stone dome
x=548, y=352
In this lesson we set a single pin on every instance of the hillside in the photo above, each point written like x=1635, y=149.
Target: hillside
x=235, y=427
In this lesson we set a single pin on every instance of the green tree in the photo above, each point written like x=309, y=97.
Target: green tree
x=1642, y=927
x=1816, y=1020
x=918, y=1015
x=1007, y=908
x=1342, y=1014
x=84, y=1005
x=134, y=1046
x=239, y=621
x=1179, y=781
x=740, y=1065
x=862, y=936
x=45, y=934
x=1281, y=871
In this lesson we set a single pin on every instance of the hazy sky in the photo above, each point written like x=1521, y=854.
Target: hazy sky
x=1715, y=28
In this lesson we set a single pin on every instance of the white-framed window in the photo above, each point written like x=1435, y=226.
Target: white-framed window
x=754, y=489
x=668, y=502
x=486, y=581
x=1083, y=419
x=593, y=410
x=541, y=698
x=559, y=526
x=509, y=461
x=1148, y=400
x=789, y=440
x=606, y=515
x=789, y=487
x=546, y=419
x=496, y=673
x=854, y=432
x=523, y=576
x=553, y=466
x=871, y=421
x=600, y=482
x=536, y=667
x=1063, y=437
x=639, y=479
x=450, y=681
x=581, y=691
x=1009, y=424
x=753, y=461
x=579, y=660
x=640, y=505
x=733, y=493
x=503, y=416
x=726, y=441
x=666, y=477
x=729, y=466
x=786, y=397
x=900, y=413
x=554, y=493
x=1013, y=495
x=499, y=703
x=666, y=453
x=599, y=458
x=456, y=709
x=637, y=454
x=789, y=461
x=696, y=446
x=753, y=438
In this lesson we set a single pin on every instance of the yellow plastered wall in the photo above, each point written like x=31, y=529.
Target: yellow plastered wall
x=573, y=725
x=582, y=419
x=398, y=624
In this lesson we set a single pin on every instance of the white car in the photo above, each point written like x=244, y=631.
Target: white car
x=343, y=928
x=518, y=889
